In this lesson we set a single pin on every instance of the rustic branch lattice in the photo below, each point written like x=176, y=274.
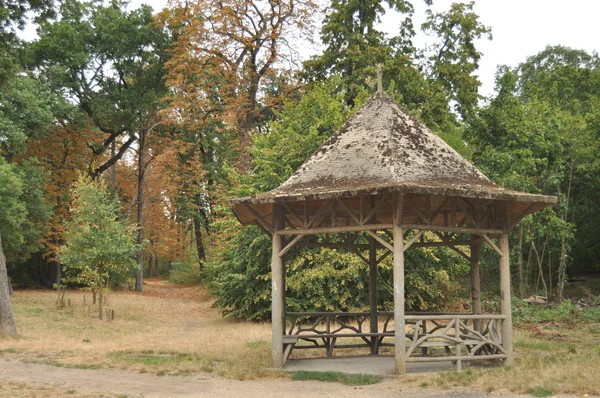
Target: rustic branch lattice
x=463, y=337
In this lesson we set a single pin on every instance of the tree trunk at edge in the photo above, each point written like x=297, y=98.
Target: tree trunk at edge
x=199, y=243
x=139, y=279
x=7, y=321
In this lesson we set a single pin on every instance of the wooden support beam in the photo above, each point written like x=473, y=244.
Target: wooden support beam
x=305, y=224
x=467, y=211
x=365, y=260
x=381, y=240
x=419, y=213
x=459, y=230
x=291, y=213
x=505, y=300
x=373, y=324
x=492, y=244
x=277, y=293
x=350, y=228
x=398, y=209
x=322, y=209
x=520, y=217
x=334, y=213
x=439, y=209
x=383, y=256
x=374, y=208
x=476, y=245
x=290, y=245
x=362, y=210
x=261, y=220
x=412, y=240
x=457, y=250
x=348, y=211
x=399, y=320
x=363, y=246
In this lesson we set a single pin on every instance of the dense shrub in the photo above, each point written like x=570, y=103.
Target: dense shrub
x=322, y=280
x=184, y=273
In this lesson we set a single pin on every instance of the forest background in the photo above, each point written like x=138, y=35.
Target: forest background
x=123, y=133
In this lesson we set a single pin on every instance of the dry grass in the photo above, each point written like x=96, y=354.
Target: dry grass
x=17, y=389
x=174, y=330
x=549, y=359
x=167, y=330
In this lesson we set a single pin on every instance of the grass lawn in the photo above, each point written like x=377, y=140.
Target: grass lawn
x=174, y=330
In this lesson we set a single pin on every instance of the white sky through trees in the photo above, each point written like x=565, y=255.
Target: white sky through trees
x=520, y=28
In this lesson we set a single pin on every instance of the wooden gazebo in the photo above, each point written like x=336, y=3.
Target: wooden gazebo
x=385, y=174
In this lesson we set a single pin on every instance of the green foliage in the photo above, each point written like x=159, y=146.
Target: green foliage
x=564, y=311
x=27, y=109
x=354, y=45
x=539, y=134
x=184, y=273
x=300, y=128
x=99, y=244
x=454, y=59
x=321, y=280
x=13, y=211
x=107, y=60
x=23, y=211
x=347, y=379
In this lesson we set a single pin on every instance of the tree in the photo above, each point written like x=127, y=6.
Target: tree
x=7, y=321
x=454, y=59
x=354, y=45
x=13, y=213
x=225, y=60
x=539, y=134
x=110, y=61
x=99, y=242
x=426, y=81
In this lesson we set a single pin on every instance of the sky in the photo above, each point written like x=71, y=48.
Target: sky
x=520, y=28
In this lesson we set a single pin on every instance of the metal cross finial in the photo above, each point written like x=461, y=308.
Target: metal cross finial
x=379, y=83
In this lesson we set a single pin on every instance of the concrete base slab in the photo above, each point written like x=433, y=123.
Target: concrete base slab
x=372, y=365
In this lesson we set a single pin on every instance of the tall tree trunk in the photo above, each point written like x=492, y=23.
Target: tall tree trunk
x=562, y=265
x=540, y=261
x=113, y=168
x=7, y=321
x=101, y=297
x=150, y=264
x=139, y=280
x=199, y=243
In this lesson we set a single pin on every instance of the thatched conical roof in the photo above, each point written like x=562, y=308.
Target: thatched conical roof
x=383, y=148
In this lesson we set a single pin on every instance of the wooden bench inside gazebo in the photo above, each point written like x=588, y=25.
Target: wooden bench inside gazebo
x=386, y=176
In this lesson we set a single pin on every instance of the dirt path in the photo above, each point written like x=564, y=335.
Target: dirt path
x=27, y=379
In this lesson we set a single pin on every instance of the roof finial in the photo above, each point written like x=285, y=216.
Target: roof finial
x=379, y=83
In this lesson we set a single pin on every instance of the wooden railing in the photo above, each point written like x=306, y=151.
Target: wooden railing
x=430, y=336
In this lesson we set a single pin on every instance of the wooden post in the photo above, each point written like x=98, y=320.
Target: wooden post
x=476, y=245
x=399, y=321
x=277, y=310
x=505, y=308
x=374, y=327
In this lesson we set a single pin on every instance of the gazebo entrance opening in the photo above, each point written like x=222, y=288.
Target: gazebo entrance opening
x=385, y=174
